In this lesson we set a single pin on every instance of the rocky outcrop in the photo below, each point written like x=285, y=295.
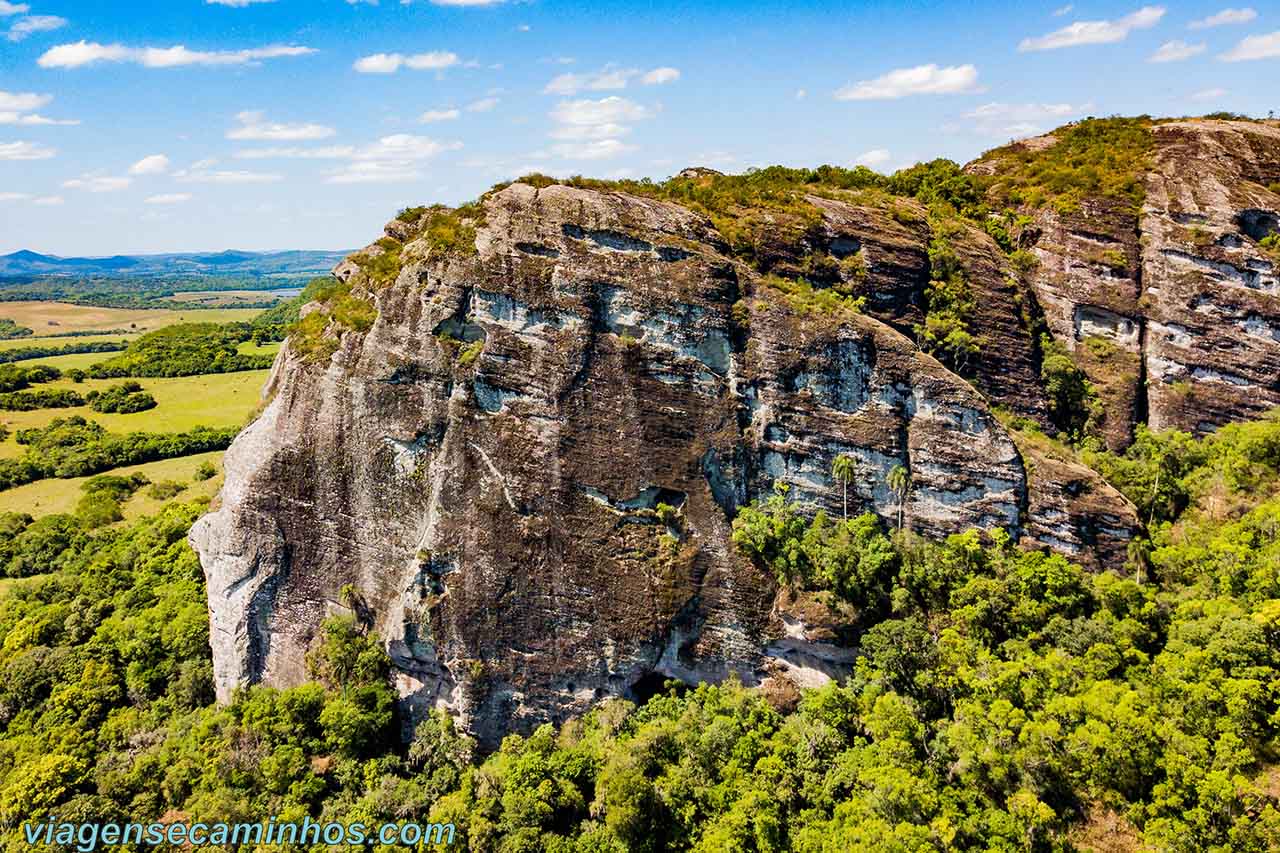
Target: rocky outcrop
x=522, y=473
x=547, y=521
x=1173, y=311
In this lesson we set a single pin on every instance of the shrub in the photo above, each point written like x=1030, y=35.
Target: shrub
x=205, y=471
x=123, y=399
x=166, y=490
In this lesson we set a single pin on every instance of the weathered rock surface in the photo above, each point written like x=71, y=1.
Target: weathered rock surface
x=522, y=476
x=1172, y=311
x=497, y=517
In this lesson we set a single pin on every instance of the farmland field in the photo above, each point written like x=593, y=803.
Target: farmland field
x=44, y=497
x=51, y=318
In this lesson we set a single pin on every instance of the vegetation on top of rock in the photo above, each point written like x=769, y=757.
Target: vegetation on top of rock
x=946, y=333
x=803, y=297
x=316, y=336
x=1073, y=403
x=285, y=314
x=1093, y=158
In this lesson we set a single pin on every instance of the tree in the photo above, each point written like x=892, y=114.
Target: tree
x=843, y=469
x=899, y=481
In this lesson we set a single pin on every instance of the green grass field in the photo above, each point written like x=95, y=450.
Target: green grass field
x=49, y=318
x=215, y=400
x=19, y=343
x=45, y=497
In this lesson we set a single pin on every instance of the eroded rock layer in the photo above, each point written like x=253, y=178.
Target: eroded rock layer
x=496, y=516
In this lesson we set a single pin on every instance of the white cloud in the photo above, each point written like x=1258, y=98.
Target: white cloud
x=24, y=27
x=14, y=196
x=599, y=149
x=32, y=119
x=200, y=173
x=1063, y=10
x=463, y=2
x=1176, y=51
x=611, y=77
x=170, y=198
x=22, y=101
x=610, y=110
x=7, y=8
x=1209, y=94
x=1223, y=18
x=98, y=183
x=658, y=76
x=333, y=152
x=1095, y=32
x=590, y=129
x=156, y=164
x=389, y=63
x=801, y=94
x=921, y=80
x=49, y=201
x=483, y=105
x=82, y=53
x=874, y=157
x=390, y=159
x=240, y=4
x=253, y=126
x=438, y=115
x=1255, y=47
x=1006, y=121
x=25, y=151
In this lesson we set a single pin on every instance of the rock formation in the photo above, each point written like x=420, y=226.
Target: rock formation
x=522, y=473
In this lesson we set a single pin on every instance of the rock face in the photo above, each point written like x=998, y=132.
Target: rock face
x=497, y=516
x=522, y=475
x=1173, y=311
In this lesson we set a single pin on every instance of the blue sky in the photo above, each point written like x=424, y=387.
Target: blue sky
x=180, y=125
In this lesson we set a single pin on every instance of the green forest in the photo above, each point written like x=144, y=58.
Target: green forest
x=1006, y=699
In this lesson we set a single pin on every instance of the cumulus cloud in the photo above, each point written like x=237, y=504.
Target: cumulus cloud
x=1255, y=47
x=920, y=80
x=1063, y=10
x=484, y=105
x=1176, y=51
x=874, y=157
x=235, y=3
x=1209, y=94
x=201, y=174
x=24, y=27
x=98, y=183
x=22, y=101
x=16, y=108
x=14, y=196
x=25, y=151
x=49, y=201
x=611, y=77
x=170, y=198
x=658, y=76
x=1223, y=18
x=33, y=119
x=332, y=152
x=438, y=115
x=589, y=129
x=390, y=63
x=7, y=9
x=1095, y=32
x=156, y=164
x=82, y=53
x=1006, y=121
x=254, y=126
x=391, y=159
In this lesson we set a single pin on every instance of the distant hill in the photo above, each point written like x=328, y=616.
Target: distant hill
x=229, y=263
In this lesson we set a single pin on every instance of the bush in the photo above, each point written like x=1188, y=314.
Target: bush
x=205, y=471
x=186, y=349
x=123, y=399
x=166, y=489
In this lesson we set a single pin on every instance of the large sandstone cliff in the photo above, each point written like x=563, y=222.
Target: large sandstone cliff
x=522, y=474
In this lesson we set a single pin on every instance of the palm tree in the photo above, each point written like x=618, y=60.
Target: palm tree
x=843, y=469
x=1139, y=552
x=899, y=481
